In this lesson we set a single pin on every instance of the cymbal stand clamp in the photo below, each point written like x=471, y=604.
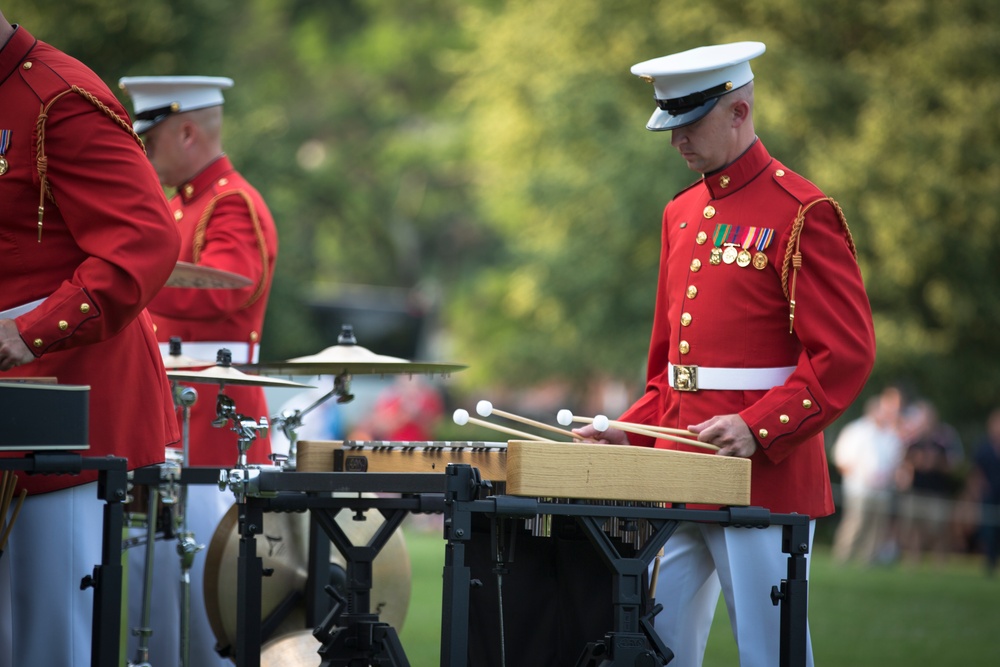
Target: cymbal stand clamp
x=290, y=420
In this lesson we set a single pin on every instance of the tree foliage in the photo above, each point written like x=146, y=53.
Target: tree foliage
x=888, y=106
x=491, y=156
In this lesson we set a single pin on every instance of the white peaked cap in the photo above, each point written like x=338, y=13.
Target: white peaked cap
x=156, y=97
x=687, y=85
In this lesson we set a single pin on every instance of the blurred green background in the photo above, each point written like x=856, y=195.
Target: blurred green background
x=476, y=173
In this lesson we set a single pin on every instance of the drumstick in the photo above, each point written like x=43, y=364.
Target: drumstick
x=461, y=417
x=602, y=423
x=655, y=574
x=7, y=493
x=13, y=517
x=485, y=409
x=7, y=483
x=565, y=417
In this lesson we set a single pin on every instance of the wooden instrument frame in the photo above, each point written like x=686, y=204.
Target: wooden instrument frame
x=552, y=469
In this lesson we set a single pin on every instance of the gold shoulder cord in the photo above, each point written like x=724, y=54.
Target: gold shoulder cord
x=199, y=238
x=793, y=253
x=42, y=161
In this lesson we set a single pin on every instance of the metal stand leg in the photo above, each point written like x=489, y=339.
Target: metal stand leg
x=107, y=577
x=455, y=617
x=187, y=547
x=248, y=596
x=460, y=487
x=793, y=595
x=317, y=604
x=144, y=631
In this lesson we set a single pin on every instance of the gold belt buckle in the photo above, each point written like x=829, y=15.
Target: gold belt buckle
x=685, y=378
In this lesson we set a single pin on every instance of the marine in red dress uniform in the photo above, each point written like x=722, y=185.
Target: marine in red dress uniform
x=715, y=314
x=80, y=272
x=103, y=249
x=224, y=224
x=762, y=336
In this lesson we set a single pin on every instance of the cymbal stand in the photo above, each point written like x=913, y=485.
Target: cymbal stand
x=144, y=631
x=289, y=420
x=187, y=546
x=247, y=430
x=166, y=492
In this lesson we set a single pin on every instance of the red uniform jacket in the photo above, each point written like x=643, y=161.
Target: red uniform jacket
x=224, y=224
x=730, y=316
x=107, y=246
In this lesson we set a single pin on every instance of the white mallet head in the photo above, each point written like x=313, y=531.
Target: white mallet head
x=601, y=423
x=565, y=417
x=461, y=417
x=484, y=408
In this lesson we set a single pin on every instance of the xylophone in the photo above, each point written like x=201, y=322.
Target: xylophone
x=551, y=469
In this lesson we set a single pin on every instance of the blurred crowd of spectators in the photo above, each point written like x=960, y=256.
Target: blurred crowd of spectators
x=909, y=491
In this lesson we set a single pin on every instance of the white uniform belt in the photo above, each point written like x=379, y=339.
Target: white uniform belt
x=17, y=311
x=243, y=353
x=694, y=378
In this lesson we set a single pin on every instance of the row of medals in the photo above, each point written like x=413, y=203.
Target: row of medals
x=740, y=256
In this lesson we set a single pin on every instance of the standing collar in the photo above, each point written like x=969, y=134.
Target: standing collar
x=206, y=178
x=738, y=173
x=15, y=51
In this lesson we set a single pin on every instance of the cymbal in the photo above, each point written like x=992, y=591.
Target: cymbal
x=294, y=649
x=284, y=547
x=355, y=360
x=186, y=274
x=180, y=361
x=223, y=375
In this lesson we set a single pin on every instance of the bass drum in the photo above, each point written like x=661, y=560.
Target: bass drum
x=283, y=547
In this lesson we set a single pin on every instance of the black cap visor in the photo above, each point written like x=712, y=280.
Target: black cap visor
x=662, y=120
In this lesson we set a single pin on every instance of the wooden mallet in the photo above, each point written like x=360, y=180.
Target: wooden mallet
x=485, y=409
x=461, y=417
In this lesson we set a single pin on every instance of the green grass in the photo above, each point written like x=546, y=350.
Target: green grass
x=860, y=617
x=421, y=635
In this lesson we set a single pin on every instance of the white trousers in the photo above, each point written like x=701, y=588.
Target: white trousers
x=699, y=561
x=45, y=619
x=206, y=505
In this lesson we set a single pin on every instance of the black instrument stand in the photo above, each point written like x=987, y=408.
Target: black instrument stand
x=350, y=628
x=632, y=642
x=359, y=637
x=106, y=579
